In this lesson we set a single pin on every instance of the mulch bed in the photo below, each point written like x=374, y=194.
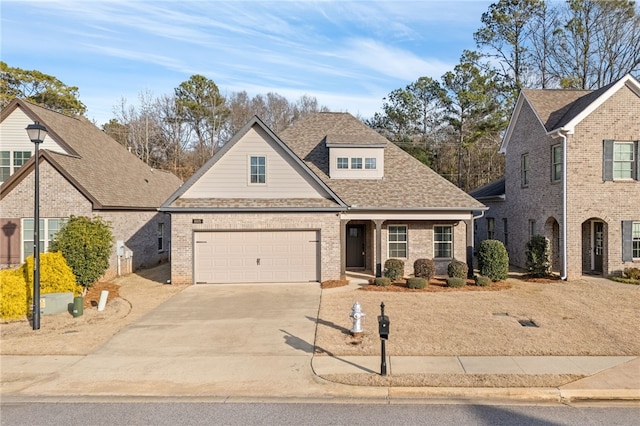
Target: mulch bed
x=437, y=285
x=92, y=297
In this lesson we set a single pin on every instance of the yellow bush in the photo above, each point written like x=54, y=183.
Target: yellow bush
x=14, y=301
x=16, y=286
x=55, y=275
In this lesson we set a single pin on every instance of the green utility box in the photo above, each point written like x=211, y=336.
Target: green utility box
x=78, y=306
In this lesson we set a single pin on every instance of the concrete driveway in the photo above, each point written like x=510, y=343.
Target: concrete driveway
x=220, y=341
x=217, y=320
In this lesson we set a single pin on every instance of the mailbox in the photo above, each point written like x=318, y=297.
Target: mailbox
x=383, y=326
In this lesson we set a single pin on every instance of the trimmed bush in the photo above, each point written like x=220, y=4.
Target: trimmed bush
x=456, y=282
x=424, y=268
x=382, y=282
x=393, y=269
x=16, y=285
x=86, y=245
x=493, y=260
x=482, y=281
x=632, y=273
x=14, y=295
x=457, y=269
x=539, y=256
x=418, y=283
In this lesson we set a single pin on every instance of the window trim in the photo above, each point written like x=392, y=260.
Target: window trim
x=257, y=174
x=356, y=161
x=450, y=243
x=556, y=165
x=635, y=241
x=491, y=228
x=345, y=162
x=406, y=241
x=505, y=231
x=609, y=161
x=13, y=166
x=160, y=237
x=45, y=234
x=370, y=163
x=525, y=169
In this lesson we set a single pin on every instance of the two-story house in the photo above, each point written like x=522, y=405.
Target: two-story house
x=572, y=175
x=83, y=172
x=326, y=196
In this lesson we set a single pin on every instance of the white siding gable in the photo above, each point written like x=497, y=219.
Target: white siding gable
x=13, y=136
x=229, y=176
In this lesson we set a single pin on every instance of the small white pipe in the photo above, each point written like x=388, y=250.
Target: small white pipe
x=104, y=294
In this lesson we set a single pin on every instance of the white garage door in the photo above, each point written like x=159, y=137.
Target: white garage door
x=256, y=256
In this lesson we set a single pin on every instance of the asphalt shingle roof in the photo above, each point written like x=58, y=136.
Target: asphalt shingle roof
x=103, y=169
x=407, y=183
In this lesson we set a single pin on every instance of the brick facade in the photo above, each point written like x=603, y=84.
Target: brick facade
x=589, y=198
x=183, y=228
x=60, y=199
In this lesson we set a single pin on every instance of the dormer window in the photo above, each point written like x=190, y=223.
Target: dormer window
x=343, y=163
x=356, y=163
x=370, y=163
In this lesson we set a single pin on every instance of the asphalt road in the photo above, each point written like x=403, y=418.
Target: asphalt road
x=200, y=413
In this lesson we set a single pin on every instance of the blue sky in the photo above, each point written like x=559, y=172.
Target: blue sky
x=347, y=54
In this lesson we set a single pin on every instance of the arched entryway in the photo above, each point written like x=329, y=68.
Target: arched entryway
x=594, y=246
x=552, y=234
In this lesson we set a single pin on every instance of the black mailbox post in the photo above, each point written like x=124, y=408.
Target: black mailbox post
x=383, y=330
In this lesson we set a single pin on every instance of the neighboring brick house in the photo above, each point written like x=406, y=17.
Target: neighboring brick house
x=326, y=196
x=600, y=131
x=83, y=172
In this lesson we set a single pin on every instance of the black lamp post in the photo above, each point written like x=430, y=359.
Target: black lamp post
x=37, y=132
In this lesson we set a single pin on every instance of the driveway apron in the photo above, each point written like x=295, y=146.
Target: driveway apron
x=208, y=340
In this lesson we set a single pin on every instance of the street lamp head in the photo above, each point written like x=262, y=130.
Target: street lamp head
x=36, y=132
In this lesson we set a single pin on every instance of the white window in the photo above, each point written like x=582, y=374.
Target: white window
x=636, y=240
x=160, y=234
x=370, y=163
x=356, y=163
x=556, y=163
x=623, y=160
x=397, y=241
x=532, y=228
x=11, y=161
x=258, y=170
x=48, y=230
x=524, y=170
x=443, y=241
x=343, y=163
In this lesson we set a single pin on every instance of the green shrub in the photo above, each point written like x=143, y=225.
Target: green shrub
x=382, y=281
x=493, y=260
x=632, y=273
x=539, y=256
x=14, y=295
x=86, y=245
x=393, y=269
x=424, y=268
x=457, y=269
x=418, y=283
x=456, y=282
x=482, y=281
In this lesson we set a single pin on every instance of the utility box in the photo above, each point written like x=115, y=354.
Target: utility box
x=55, y=303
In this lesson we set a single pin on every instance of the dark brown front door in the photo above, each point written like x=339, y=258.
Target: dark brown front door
x=598, y=246
x=355, y=246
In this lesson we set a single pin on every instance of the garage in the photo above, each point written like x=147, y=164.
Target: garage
x=256, y=256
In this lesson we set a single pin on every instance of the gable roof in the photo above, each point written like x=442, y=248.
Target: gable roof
x=407, y=183
x=99, y=167
x=175, y=201
x=562, y=110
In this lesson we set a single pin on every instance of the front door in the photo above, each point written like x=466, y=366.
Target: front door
x=598, y=246
x=355, y=246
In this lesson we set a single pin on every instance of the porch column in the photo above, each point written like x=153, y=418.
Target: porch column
x=378, y=223
x=470, y=243
x=343, y=247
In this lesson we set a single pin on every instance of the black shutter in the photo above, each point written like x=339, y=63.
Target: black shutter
x=637, y=160
x=607, y=160
x=627, y=240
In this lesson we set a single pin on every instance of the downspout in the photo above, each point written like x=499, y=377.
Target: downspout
x=562, y=134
